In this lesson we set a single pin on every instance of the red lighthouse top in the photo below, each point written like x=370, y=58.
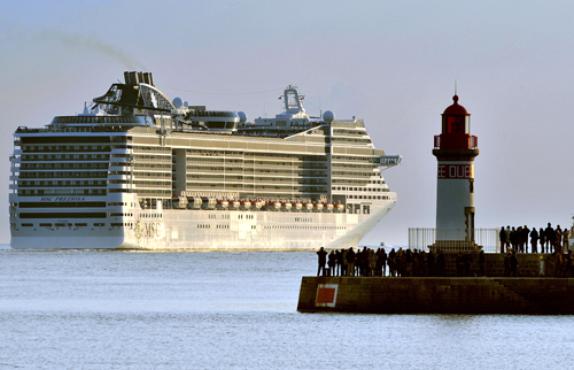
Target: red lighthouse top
x=455, y=139
x=455, y=109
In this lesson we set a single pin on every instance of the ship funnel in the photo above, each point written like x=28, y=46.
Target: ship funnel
x=131, y=78
x=148, y=78
x=134, y=78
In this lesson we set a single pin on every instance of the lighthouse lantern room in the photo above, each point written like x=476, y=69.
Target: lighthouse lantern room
x=455, y=149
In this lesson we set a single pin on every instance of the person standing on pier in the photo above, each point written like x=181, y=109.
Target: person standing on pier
x=322, y=255
x=558, y=239
x=534, y=240
x=351, y=257
x=513, y=239
x=566, y=241
x=503, y=240
x=550, y=237
x=524, y=238
x=383, y=261
x=542, y=237
x=338, y=262
x=331, y=262
x=392, y=262
x=343, y=262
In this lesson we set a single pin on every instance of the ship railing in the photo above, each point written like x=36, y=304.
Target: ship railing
x=388, y=161
x=423, y=237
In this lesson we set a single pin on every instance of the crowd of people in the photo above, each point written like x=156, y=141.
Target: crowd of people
x=371, y=262
x=543, y=240
x=367, y=262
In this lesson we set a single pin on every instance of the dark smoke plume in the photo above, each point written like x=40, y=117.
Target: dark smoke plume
x=87, y=42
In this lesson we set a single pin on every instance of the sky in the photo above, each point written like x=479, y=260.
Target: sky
x=393, y=63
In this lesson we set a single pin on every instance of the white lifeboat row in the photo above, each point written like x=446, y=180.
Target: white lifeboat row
x=279, y=205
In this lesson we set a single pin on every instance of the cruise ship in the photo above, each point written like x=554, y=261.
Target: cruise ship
x=137, y=170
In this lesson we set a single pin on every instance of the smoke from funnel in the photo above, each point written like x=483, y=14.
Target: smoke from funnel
x=87, y=42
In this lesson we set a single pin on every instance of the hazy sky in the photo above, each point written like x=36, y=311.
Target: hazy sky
x=393, y=63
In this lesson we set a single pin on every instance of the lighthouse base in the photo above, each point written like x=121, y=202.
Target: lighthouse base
x=455, y=246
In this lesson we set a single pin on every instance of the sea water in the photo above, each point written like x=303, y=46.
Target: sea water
x=130, y=310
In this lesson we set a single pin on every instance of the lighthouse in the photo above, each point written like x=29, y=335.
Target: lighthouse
x=455, y=149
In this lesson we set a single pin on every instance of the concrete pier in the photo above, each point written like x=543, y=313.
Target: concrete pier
x=464, y=295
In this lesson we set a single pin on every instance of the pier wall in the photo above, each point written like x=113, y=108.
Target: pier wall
x=528, y=265
x=469, y=295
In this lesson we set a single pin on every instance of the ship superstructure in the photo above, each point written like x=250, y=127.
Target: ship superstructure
x=137, y=170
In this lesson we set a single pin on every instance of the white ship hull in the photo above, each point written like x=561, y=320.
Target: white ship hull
x=211, y=230
x=138, y=171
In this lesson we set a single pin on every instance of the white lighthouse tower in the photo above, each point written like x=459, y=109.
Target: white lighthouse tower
x=455, y=149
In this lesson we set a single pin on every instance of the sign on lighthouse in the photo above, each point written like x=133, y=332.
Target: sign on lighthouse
x=455, y=149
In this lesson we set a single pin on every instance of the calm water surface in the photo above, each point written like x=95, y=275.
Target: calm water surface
x=121, y=310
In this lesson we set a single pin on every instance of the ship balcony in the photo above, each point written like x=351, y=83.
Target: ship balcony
x=120, y=177
x=57, y=161
x=469, y=142
x=147, y=152
x=150, y=170
x=122, y=151
x=115, y=161
x=119, y=168
x=158, y=160
x=121, y=186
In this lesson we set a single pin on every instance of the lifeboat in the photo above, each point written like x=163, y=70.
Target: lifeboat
x=277, y=205
x=196, y=202
x=236, y=204
x=181, y=202
x=259, y=204
x=319, y=206
x=287, y=205
x=211, y=203
x=308, y=206
x=340, y=207
x=330, y=206
x=223, y=203
x=246, y=204
x=298, y=205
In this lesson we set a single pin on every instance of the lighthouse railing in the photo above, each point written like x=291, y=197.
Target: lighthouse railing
x=470, y=142
x=422, y=237
x=437, y=141
x=473, y=141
